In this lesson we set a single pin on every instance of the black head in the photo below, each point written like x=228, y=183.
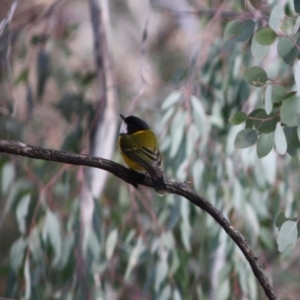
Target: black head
x=132, y=124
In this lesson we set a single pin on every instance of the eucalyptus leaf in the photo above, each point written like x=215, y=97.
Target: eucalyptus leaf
x=245, y=138
x=111, y=243
x=288, y=48
x=289, y=111
x=256, y=76
x=280, y=140
x=265, y=144
x=287, y=235
x=268, y=99
x=265, y=36
x=238, y=118
x=259, y=51
x=21, y=213
x=276, y=18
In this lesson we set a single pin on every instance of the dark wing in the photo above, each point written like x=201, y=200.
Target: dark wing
x=151, y=161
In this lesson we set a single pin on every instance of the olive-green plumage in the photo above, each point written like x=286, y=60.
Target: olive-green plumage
x=138, y=147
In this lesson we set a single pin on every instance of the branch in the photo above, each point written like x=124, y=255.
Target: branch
x=182, y=189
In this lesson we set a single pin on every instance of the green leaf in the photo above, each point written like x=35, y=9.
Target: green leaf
x=297, y=6
x=268, y=100
x=52, y=234
x=17, y=252
x=238, y=118
x=198, y=169
x=264, y=123
x=265, y=144
x=278, y=93
x=177, y=130
x=258, y=51
x=21, y=213
x=172, y=99
x=27, y=277
x=287, y=235
x=288, y=48
x=265, y=36
x=250, y=121
x=8, y=176
x=276, y=17
x=293, y=144
x=43, y=71
x=297, y=77
x=245, y=138
x=245, y=30
x=230, y=30
x=255, y=76
x=199, y=115
x=289, y=111
x=161, y=273
x=111, y=243
x=239, y=31
x=280, y=140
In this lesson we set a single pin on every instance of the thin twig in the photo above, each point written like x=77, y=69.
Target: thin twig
x=9, y=16
x=182, y=189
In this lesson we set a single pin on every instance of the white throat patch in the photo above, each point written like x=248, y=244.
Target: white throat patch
x=123, y=129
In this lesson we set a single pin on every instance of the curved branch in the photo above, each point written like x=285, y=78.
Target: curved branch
x=182, y=189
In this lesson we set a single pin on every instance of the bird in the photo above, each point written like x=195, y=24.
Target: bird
x=139, y=149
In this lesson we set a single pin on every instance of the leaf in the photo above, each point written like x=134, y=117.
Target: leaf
x=111, y=243
x=27, y=278
x=245, y=138
x=198, y=169
x=244, y=30
x=288, y=48
x=268, y=100
x=21, y=213
x=172, y=99
x=230, y=30
x=192, y=137
x=258, y=51
x=134, y=256
x=278, y=93
x=297, y=6
x=293, y=144
x=280, y=219
x=280, y=140
x=287, y=235
x=264, y=123
x=43, y=71
x=265, y=144
x=17, y=252
x=8, y=176
x=265, y=36
x=238, y=118
x=255, y=76
x=296, y=25
x=161, y=273
x=250, y=121
x=177, y=130
x=276, y=17
x=199, y=115
x=297, y=77
x=289, y=111
x=52, y=234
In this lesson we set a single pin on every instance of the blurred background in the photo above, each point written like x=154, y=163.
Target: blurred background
x=71, y=232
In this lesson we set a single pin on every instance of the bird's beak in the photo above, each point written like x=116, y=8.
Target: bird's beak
x=123, y=118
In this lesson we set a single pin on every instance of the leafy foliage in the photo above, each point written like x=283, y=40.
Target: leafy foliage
x=140, y=246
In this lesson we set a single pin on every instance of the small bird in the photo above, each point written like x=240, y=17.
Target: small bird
x=138, y=147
